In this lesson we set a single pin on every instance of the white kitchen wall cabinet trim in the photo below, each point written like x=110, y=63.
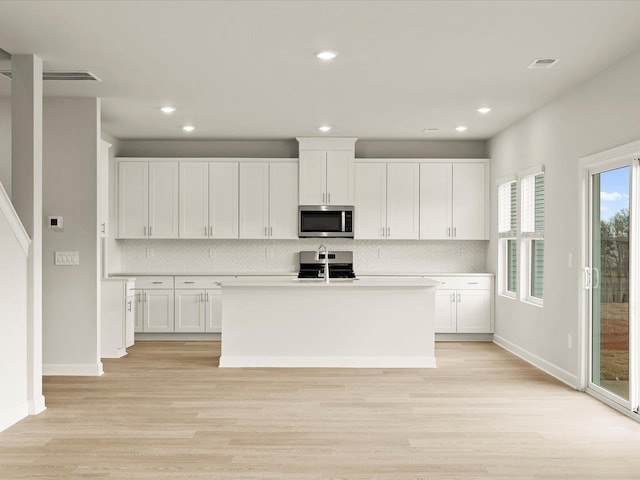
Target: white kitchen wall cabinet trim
x=387, y=201
x=327, y=171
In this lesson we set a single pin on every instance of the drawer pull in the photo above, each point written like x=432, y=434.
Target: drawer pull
x=157, y=283
x=473, y=283
x=189, y=283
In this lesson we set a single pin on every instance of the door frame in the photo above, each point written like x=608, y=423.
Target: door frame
x=625, y=155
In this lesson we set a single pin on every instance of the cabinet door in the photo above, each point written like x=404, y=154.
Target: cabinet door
x=283, y=200
x=129, y=319
x=371, y=201
x=133, y=199
x=189, y=310
x=445, y=311
x=158, y=311
x=313, y=177
x=223, y=200
x=214, y=311
x=139, y=311
x=403, y=201
x=435, y=201
x=103, y=186
x=194, y=200
x=469, y=199
x=340, y=178
x=163, y=200
x=254, y=200
x=474, y=311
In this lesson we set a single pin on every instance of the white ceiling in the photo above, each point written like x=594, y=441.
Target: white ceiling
x=247, y=70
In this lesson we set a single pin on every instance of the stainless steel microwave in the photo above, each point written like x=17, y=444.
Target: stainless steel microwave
x=325, y=221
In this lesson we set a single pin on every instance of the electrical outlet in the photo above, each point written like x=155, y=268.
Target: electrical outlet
x=380, y=253
x=570, y=341
x=268, y=252
x=67, y=258
x=570, y=260
x=149, y=252
x=212, y=253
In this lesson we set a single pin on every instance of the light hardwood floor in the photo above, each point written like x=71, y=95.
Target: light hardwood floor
x=166, y=412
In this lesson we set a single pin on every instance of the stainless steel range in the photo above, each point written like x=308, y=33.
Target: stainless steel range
x=312, y=264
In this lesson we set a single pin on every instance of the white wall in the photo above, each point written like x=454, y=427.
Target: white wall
x=597, y=115
x=5, y=143
x=13, y=327
x=71, y=293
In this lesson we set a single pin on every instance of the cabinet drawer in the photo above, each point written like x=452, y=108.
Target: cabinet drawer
x=198, y=282
x=149, y=283
x=464, y=283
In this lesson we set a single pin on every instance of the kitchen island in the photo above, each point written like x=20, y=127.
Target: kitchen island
x=287, y=322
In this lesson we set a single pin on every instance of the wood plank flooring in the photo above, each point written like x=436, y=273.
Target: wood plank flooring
x=166, y=411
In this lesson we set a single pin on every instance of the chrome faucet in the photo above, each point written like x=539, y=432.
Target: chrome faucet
x=326, y=261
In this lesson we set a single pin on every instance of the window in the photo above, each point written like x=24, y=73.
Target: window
x=532, y=236
x=507, y=231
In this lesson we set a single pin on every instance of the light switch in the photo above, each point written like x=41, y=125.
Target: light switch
x=67, y=258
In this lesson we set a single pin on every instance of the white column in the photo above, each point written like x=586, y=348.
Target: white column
x=26, y=179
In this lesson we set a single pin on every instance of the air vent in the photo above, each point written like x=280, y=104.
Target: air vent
x=539, y=63
x=74, y=75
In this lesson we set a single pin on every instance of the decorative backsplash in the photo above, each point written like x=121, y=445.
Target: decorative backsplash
x=271, y=256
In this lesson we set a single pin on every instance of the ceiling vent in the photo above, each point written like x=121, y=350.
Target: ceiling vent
x=539, y=63
x=72, y=75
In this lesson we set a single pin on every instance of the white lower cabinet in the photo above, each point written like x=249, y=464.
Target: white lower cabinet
x=117, y=306
x=213, y=312
x=198, y=305
x=463, y=305
x=154, y=304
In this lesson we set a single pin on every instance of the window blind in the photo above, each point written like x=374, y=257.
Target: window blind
x=507, y=207
x=532, y=204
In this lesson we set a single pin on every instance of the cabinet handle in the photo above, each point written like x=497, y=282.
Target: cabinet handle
x=145, y=297
x=211, y=231
x=103, y=228
x=459, y=297
x=323, y=198
x=150, y=230
x=271, y=231
x=454, y=232
x=388, y=232
x=205, y=231
x=265, y=232
x=453, y=298
x=145, y=231
x=382, y=233
x=206, y=297
x=448, y=232
x=129, y=305
x=328, y=198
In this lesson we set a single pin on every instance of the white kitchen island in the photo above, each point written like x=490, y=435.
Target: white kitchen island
x=286, y=322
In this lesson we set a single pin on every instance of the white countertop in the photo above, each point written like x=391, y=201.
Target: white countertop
x=335, y=283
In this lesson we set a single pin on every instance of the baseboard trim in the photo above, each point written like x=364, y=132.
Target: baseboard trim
x=73, y=369
x=37, y=405
x=178, y=337
x=13, y=415
x=564, y=376
x=326, y=362
x=464, y=337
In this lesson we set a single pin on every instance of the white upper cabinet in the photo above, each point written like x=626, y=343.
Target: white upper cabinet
x=469, y=201
x=435, y=200
x=453, y=201
x=371, y=201
x=194, y=200
x=163, y=199
x=387, y=200
x=283, y=200
x=208, y=200
x=133, y=199
x=147, y=199
x=268, y=200
x=223, y=200
x=254, y=200
x=327, y=171
x=403, y=201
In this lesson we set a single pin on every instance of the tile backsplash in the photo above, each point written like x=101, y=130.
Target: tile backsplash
x=265, y=256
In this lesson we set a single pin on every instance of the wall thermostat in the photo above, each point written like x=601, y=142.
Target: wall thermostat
x=55, y=223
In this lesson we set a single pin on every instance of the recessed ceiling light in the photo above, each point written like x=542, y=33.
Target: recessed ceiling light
x=431, y=130
x=324, y=128
x=483, y=110
x=188, y=128
x=168, y=109
x=461, y=128
x=327, y=55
